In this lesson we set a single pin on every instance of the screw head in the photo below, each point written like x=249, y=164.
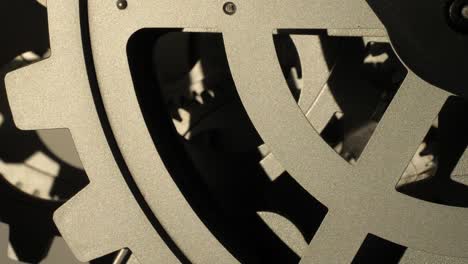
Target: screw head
x=122, y=4
x=464, y=12
x=458, y=15
x=229, y=8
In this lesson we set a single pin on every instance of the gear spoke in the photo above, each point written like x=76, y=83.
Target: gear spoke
x=277, y=116
x=314, y=67
x=401, y=131
x=323, y=109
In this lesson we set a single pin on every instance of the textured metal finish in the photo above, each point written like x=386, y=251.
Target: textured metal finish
x=337, y=184
x=96, y=211
x=129, y=128
x=105, y=216
x=32, y=179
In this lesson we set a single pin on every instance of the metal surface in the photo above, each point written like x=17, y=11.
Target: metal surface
x=295, y=144
x=32, y=179
x=133, y=202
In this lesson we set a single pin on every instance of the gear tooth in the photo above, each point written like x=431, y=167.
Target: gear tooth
x=43, y=95
x=31, y=97
x=97, y=235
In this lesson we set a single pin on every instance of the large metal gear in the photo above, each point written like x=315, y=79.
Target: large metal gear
x=143, y=196
x=34, y=179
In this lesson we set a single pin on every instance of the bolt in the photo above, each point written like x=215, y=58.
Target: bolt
x=122, y=4
x=458, y=15
x=464, y=12
x=229, y=8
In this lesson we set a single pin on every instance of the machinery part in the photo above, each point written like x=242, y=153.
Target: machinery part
x=21, y=208
x=412, y=26
x=132, y=226
x=218, y=137
x=44, y=163
x=358, y=203
x=34, y=178
x=35, y=183
x=383, y=211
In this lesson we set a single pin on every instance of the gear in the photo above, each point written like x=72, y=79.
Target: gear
x=35, y=183
x=32, y=178
x=344, y=188
x=103, y=227
x=136, y=198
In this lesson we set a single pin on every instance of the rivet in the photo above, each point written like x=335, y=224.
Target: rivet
x=229, y=8
x=464, y=12
x=122, y=4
